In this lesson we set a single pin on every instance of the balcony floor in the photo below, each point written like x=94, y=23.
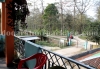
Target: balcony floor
x=3, y=62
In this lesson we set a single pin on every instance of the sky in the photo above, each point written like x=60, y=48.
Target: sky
x=91, y=12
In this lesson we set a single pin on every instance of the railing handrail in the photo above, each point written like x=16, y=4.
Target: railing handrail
x=74, y=61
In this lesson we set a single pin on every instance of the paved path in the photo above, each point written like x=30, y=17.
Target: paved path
x=68, y=51
x=72, y=50
x=81, y=42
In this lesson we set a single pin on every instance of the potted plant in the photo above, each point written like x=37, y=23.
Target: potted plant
x=18, y=10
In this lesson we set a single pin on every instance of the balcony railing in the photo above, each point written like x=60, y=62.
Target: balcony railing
x=27, y=48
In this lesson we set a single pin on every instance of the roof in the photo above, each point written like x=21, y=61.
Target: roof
x=93, y=62
x=29, y=37
x=91, y=59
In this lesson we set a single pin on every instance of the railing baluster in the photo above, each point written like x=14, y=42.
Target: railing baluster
x=52, y=64
x=48, y=64
x=70, y=64
x=45, y=66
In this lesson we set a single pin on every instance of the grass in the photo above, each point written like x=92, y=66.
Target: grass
x=83, y=37
x=89, y=38
x=45, y=43
x=51, y=44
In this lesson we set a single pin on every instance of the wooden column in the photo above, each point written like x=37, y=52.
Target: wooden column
x=3, y=23
x=9, y=37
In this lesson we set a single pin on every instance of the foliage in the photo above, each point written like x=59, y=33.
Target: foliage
x=98, y=13
x=52, y=21
x=82, y=6
x=96, y=39
x=95, y=28
x=50, y=10
x=18, y=10
x=50, y=17
x=21, y=11
x=69, y=20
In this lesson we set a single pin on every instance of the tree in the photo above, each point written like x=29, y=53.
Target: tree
x=98, y=11
x=50, y=17
x=19, y=14
x=95, y=31
x=69, y=21
x=34, y=21
x=82, y=6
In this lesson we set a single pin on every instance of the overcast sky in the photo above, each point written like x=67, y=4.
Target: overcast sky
x=91, y=12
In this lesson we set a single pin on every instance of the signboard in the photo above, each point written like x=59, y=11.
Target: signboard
x=2, y=0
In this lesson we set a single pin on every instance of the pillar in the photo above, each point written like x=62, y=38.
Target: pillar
x=3, y=18
x=9, y=35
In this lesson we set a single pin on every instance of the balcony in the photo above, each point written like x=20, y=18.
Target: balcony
x=26, y=48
